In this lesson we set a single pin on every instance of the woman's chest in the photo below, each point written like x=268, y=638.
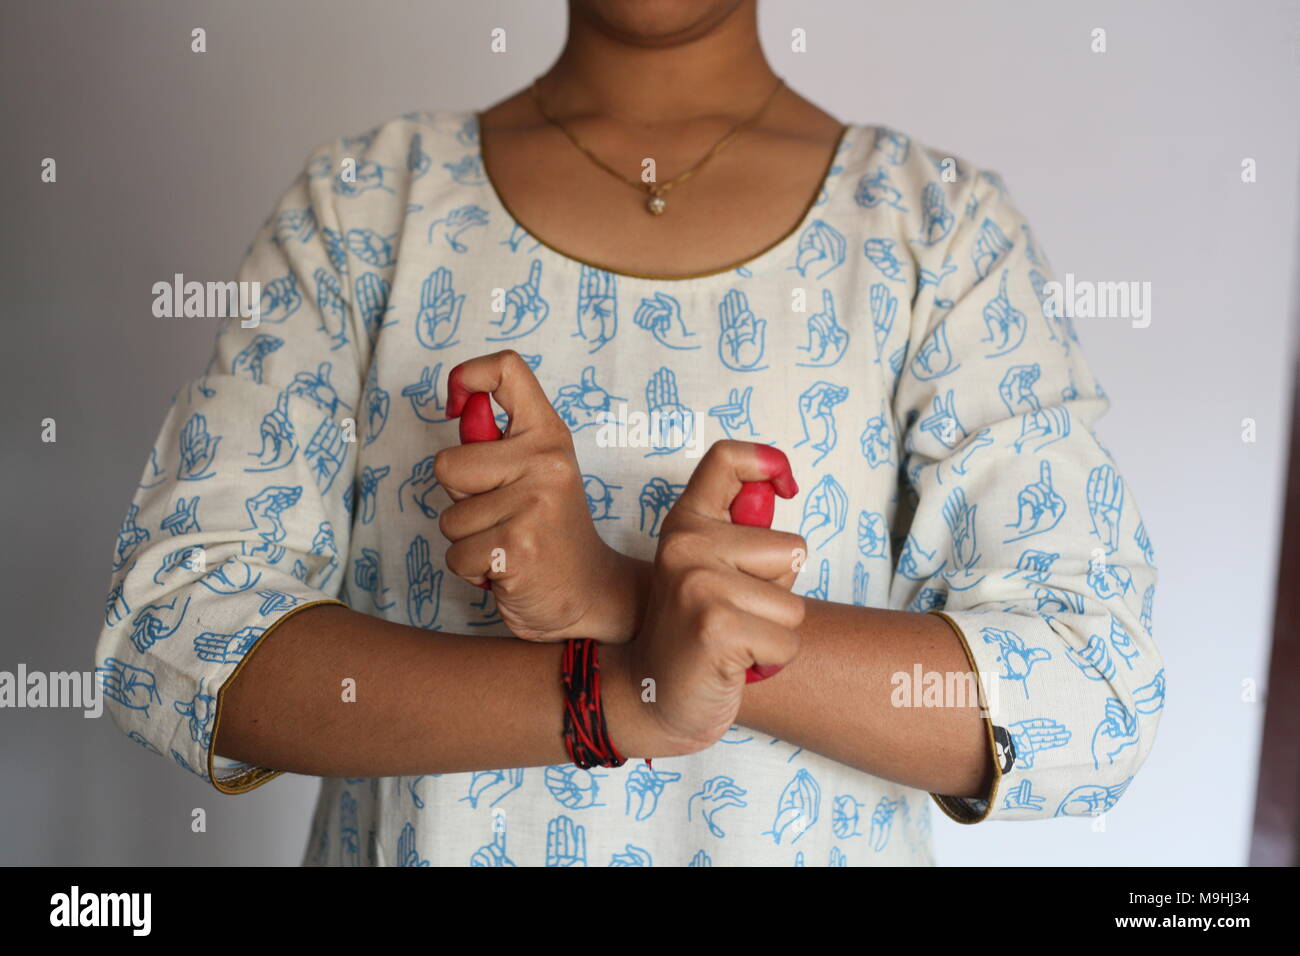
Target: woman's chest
x=646, y=378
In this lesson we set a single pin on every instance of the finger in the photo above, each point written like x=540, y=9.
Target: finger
x=725, y=467
x=765, y=648
x=482, y=510
x=762, y=600
x=774, y=556
x=471, y=559
x=472, y=469
x=511, y=382
x=477, y=468
x=493, y=557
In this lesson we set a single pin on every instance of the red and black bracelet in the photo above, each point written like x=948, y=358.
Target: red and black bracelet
x=586, y=738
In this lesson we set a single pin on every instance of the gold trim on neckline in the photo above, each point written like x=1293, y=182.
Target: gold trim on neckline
x=800, y=223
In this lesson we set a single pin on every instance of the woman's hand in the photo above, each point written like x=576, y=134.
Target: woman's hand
x=520, y=518
x=720, y=602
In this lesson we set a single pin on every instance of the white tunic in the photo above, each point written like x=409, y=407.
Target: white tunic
x=898, y=345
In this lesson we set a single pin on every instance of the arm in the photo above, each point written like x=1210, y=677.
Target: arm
x=997, y=404
x=1020, y=537
x=425, y=702
x=242, y=516
x=837, y=696
x=837, y=699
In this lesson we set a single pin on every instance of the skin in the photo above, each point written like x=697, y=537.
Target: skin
x=511, y=495
x=661, y=78
x=665, y=80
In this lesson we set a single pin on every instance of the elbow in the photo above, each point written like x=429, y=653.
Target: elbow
x=1126, y=702
x=124, y=675
x=141, y=677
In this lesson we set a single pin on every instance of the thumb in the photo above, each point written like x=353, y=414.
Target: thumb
x=738, y=481
x=511, y=382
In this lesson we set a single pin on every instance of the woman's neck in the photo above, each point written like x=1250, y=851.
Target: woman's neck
x=719, y=71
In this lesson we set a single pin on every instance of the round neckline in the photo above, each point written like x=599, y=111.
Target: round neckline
x=824, y=187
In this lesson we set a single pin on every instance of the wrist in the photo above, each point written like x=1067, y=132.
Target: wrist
x=623, y=590
x=631, y=723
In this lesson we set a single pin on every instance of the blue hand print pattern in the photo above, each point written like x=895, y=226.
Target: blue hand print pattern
x=827, y=339
x=645, y=786
x=661, y=316
x=197, y=450
x=597, y=307
x=524, y=308
x=716, y=795
x=878, y=188
x=574, y=788
x=895, y=344
x=438, y=319
x=798, y=809
x=585, y=404
x=423, y=586
x=822, y=250
x=742, y=342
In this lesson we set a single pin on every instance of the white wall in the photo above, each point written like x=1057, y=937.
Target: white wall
x=1127, y=162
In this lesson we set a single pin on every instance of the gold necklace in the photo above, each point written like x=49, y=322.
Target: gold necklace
x=655, y=202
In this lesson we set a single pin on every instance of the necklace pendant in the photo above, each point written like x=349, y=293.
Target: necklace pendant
x=656, y=205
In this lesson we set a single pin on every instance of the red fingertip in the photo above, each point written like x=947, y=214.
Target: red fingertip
x=457, y=393
x=777, y=466
x=486, y=585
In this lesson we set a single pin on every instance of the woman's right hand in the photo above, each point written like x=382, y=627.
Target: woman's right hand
x=720, y=602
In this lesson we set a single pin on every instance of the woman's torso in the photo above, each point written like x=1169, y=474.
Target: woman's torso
x=800, y=347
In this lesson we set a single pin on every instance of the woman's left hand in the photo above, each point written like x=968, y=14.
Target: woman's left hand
x=520, y=522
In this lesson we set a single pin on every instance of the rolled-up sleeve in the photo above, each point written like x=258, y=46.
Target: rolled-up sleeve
x=1017, y=527
x=242, y=516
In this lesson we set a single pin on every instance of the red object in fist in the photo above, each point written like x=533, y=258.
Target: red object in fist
x=477, y=423
x=754, y=505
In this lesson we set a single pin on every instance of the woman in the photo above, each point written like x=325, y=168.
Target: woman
x=657, y=249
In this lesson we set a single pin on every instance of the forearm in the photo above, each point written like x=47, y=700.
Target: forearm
x=426, y=702
x=836, y=699
x=624, y=583
x=429, y=702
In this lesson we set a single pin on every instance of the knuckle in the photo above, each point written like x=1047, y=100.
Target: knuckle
x=447, y=523
x=679, y=547
x=787, y=650
x=716, y=620
x=717, y=452
x=552, y=465
x=670, y=525
x=733, y=450
x=520, y=544
x=697, y=587
x=456, y=563
x=793, y=608
x=444, y=466
x=791, y=541
x=552, y=429
x=536, y=507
